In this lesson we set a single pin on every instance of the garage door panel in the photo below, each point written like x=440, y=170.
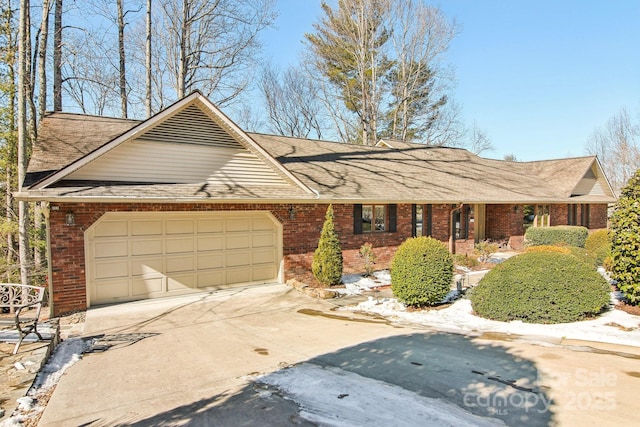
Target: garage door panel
x=263, y=240
x=262, y=224
x=265, y=273
x=209, y=279
x=180, y=226
x=182, y=263
x=208, y=261
x=267, y=256
x=210, y=226
x=237, y=258
x=210, y=243
x=112, y=229
x=147, y=286
x=180, y=245
x=110, y=249
x=134, y=255
x=146, y=228
x=111, y=269
x=146, y=247
x=235, y=275
x=238, y=224
x=237, y=241
x=147, y=266
x=106, y=290
x=178, y=282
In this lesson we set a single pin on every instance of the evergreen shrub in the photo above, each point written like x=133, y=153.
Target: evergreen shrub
x=625, y=240
x=568, y=234
x=421, y=271
x=327, y=259
x=541, y=287
x=598, y=246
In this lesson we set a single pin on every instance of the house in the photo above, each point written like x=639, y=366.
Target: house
x=187, y=200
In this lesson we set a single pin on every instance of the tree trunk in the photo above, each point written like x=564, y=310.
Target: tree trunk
x=184, y=37
x=147, y=98
x=121, y=54
x=57, y=57
x=23, y=207
x=42, y=56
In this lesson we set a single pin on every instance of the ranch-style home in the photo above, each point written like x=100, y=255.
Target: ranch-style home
x=187, y=201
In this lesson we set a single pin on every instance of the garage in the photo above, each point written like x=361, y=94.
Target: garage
x=140, y=255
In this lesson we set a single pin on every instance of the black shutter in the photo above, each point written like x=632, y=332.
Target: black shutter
x=427, y=228
x=357, y=219
x=413, y=221
x=393, y=218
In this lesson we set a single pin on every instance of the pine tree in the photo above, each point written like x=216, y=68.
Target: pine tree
x=327, y=258
x=625, y=250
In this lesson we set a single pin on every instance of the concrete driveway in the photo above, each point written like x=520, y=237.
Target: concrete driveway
x=201, y=360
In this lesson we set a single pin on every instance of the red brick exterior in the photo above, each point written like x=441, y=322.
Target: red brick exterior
x=300, y=236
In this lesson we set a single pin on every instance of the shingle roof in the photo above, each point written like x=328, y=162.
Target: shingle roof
x=341, y=172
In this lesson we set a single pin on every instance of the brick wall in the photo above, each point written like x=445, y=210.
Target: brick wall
x=504, y=221
x=300, y=236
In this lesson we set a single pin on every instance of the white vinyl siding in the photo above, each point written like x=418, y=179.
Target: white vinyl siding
x=155, y=162
x=591, y=185
x=189, y=147
x=135, y=255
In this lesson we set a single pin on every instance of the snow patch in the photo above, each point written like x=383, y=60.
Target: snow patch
x=336, y=398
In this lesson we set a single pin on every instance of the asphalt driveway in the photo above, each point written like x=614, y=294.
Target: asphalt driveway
x=218, y=359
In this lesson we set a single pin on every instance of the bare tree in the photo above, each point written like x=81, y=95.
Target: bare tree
x=210, y=45
x=90, y=79
x=479, y=141
x=57, y=57
x=23, y=137
x=147, y=60
x=42, y=56
x=617, y=146
x=291, y=102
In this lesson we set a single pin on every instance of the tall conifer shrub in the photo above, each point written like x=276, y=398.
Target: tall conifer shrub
x=327, y=258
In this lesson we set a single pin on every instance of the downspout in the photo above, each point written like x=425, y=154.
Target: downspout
x=452, y=229
x=46, y=212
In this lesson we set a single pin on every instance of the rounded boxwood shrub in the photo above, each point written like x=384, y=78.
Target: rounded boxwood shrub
x=541, y=287
x=568, y=234
x=421, y=271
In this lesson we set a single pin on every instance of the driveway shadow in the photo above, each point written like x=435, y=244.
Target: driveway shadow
x=485, y=380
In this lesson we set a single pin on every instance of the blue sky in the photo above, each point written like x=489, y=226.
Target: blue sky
x=538, y=76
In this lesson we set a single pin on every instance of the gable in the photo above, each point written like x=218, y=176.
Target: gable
x=188, y=147
x=189, y=142
x=593, y=183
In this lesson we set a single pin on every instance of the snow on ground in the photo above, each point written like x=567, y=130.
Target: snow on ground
x=320, y=392
x=614, y=326
x=66, y=354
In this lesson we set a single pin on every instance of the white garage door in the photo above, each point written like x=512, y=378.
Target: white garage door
x=132, y=255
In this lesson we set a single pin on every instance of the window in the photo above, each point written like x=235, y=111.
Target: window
x=461, y=218
x=374, y=218
x=421, y=220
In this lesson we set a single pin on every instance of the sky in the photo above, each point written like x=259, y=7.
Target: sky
x=539, y=77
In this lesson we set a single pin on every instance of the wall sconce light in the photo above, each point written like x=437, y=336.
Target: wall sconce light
x=69, y=218
x=292, y=212
x=516, y=208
